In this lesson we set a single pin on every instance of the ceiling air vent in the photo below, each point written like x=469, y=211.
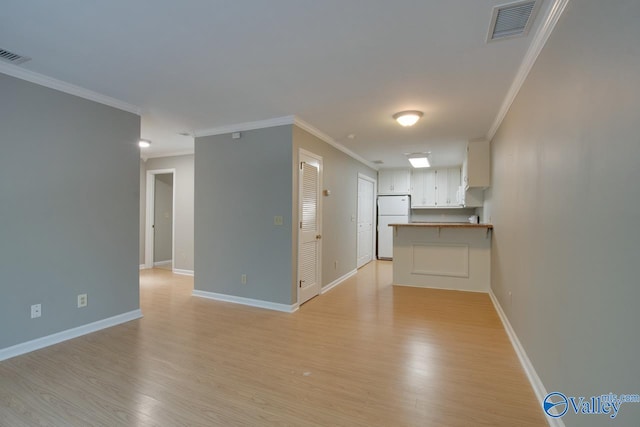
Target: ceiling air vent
x=513, y=19
x=12, y=58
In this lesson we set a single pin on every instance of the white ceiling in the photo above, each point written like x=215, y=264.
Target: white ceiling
x=342, y=66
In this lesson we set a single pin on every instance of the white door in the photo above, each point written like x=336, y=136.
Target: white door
x=365, y=220
x=310, y=226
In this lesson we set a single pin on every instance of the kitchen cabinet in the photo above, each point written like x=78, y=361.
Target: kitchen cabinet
x=476, y=172
x=471, y=197
x=423, y=188
x=435, y=188
x=394, y=181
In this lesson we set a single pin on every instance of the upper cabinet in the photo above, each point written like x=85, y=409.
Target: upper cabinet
x=435, y=188
x=394, y=181
x=476, y=172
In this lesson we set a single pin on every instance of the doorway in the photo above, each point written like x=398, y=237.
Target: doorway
x=310, y=225
x=366, y=215
x=160, y=228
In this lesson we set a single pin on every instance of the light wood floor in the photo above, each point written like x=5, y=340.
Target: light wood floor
x=364, y=354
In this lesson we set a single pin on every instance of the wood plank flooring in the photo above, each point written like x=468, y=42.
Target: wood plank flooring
x=364, y=354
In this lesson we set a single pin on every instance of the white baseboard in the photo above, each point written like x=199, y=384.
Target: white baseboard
x=336, y=282
x=538, y=388
x=183, y=272
x=164, y=263
x=143, y=266
x=246, y=301
x=38, y=343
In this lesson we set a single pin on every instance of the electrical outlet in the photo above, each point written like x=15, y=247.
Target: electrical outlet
x=82, y=300
x=243, y=279
x=510, y=299
x=36, y=310
x=277, y=220
x=335, y=265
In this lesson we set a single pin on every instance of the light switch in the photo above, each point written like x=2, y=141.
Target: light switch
x=277, y=220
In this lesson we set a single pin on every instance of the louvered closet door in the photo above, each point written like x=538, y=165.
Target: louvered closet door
x=309, y=234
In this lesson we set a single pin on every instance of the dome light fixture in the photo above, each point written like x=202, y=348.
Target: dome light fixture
x=144, y=143
x=408, y=118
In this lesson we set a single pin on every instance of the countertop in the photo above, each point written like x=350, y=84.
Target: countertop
x=444, y=224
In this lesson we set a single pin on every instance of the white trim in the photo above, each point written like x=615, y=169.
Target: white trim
x=162, y=263
x=326, y=138
x=338, y=281
x=50, y=82
x=477, y=291
x=38, y=343
x=239, y=127
x=539, y=40
x=150, y=205
x=146, y=156
x=183, y=272
x=538, y=387
x=246, y=301
x=143, y=266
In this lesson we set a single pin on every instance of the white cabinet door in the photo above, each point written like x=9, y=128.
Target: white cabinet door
x=394, y=181
x=442, y=189
x=453, y=185
x=476, y=167
x=385, y=182
x=435, y=188
x=401, y=181
x=423, y=192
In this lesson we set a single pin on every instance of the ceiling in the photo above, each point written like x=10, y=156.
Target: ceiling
x=342, y=66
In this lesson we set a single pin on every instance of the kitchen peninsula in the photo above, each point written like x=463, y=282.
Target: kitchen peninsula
x=453, y=256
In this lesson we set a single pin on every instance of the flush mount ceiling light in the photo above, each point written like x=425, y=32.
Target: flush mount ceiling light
x=419, y=160
x=144, y=143
x=408, y=118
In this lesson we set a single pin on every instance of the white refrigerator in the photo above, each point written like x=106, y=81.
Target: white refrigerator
x=391, y=210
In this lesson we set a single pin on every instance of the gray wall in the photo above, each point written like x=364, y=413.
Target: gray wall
x=339, y=210
x=68, y=210
x=184, y=206
x=163, y=218
x=565, y=203
x=241, y=184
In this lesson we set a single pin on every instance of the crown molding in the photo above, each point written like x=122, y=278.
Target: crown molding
x=539, y=40
x=147, y=156
x=42, y=80
x=326, y=138
x=239, y=127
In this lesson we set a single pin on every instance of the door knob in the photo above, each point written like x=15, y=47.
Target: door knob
x=318, y=236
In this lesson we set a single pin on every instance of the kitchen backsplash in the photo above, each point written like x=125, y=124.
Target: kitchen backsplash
x=442, y=215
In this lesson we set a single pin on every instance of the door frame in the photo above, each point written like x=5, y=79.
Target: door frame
x=150, y=215
x=302, y=152
x=373, y=219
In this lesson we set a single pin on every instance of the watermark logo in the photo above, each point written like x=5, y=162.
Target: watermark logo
x=557, y=404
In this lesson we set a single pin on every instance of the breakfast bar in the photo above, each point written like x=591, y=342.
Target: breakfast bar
x=442, y=255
